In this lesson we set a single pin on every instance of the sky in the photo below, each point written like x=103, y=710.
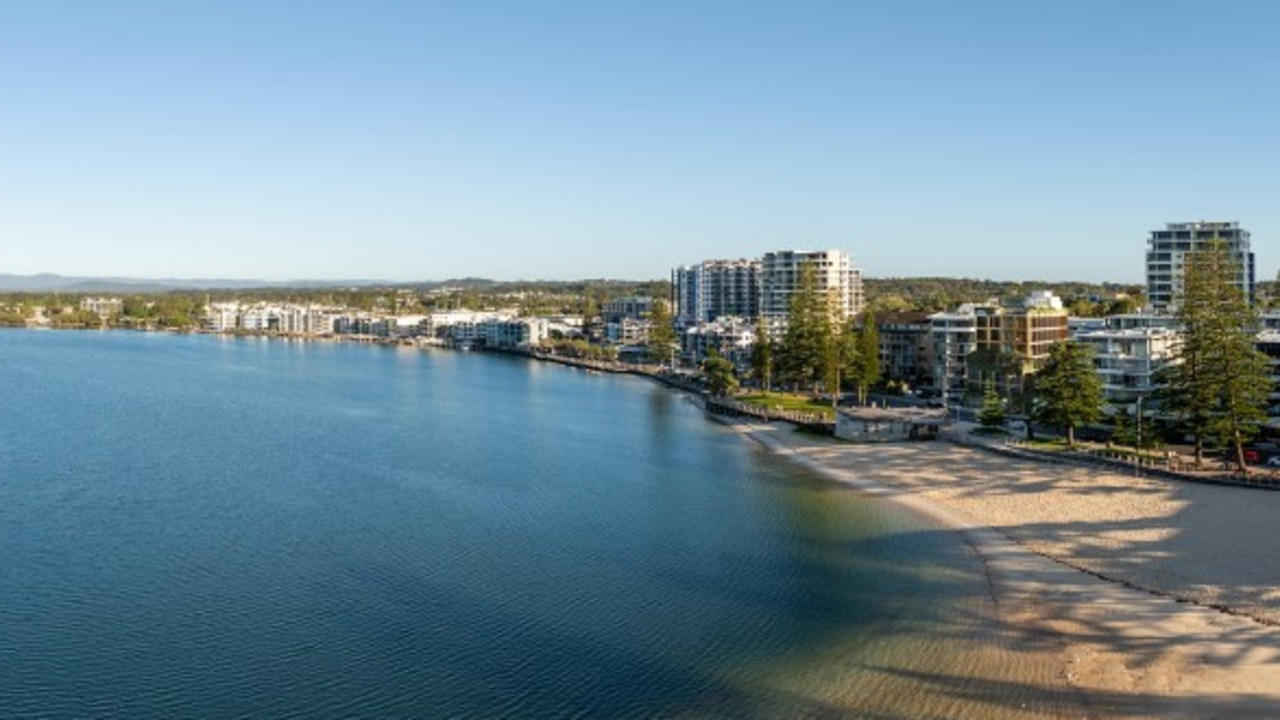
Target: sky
x=424, y=140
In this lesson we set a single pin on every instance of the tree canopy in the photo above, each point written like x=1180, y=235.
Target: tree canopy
x=1068, y=390
x=662, y=334
x=762, y=356
x=992, y=414
x=719, y=373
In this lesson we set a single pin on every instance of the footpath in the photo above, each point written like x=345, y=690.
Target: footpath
x=1170, y=467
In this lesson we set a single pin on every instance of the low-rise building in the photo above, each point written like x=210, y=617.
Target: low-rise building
x=1127, y=358
x=515, y=333
x=875, y=424
x=730, y=337
x=103, y=307
x=441, y=323
x=222, y=317
x=363, y=324
x=952, y=338
x=1016, y=337
x=636, y=307
x=627, y=331
x=1268, y=343
x=905, y=347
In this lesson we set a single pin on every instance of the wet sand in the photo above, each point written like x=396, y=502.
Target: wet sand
x=1153, y=597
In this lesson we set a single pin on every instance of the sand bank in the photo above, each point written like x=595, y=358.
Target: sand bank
x=1158, y=598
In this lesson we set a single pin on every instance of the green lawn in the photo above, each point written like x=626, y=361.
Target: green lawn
x=787, y=401
x=1049, y=444
x=1060, y=444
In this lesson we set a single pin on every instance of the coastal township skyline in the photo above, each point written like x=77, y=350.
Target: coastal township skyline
x=558, y=140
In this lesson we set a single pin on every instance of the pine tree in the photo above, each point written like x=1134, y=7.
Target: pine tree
x=843, y=359
x=804, y=355
x=762, y=356
x=1220, y=384
x=719, y=373
x=662, y=333
x=1125, y=433
x=992, y=414
x=1068, y=391
x=866, y=370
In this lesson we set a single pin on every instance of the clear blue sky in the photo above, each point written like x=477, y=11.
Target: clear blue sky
x=426, y=140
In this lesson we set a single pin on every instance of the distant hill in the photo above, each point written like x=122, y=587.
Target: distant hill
x=47, y=282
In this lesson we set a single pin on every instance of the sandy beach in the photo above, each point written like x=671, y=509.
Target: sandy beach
x=1157, y=598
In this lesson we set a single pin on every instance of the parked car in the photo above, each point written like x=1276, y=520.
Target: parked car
x=1273, y=461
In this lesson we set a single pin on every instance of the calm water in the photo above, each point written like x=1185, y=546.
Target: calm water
x=195, y=526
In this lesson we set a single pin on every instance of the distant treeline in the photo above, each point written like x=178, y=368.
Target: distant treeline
x=935, y=294
x=183, y=308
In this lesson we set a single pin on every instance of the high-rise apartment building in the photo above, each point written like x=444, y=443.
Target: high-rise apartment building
x=833, y=270
x=715, y=289
x=1167, y=249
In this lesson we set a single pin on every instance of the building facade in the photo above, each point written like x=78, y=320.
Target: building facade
x=1268, y=343
x=103, y=307
x=731, y=337
x=626, y=307
x=834, y=273
x=1127, y=355
x=714, y=289
x=627, y=330
x=1014, y=341
x=952, y=338
x=905, y=348
x=1166, y=258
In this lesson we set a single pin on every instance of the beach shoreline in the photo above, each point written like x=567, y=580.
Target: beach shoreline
x=1096, y=562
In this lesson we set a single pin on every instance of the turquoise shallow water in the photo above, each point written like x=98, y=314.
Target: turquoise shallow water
x=197, y=526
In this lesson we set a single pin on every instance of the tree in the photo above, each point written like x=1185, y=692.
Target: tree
x=662, y=333
x=842, y=359
x=590, y=305
x=992, y=414
x=1219, y=385
x=1125, y=432
x=865, y=370
x=719, y=373
x=804, y=355
x=891, y=302
x=762, y=356
x=1124, y=305
x=1068, y=391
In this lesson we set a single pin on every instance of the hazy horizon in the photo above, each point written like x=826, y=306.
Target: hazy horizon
x=300, y=281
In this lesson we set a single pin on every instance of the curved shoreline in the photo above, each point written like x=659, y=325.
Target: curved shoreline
x=1129, y=649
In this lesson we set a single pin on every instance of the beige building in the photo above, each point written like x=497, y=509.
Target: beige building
x=1017, y=337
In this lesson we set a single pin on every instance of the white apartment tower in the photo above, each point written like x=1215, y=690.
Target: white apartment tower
x=1167, y=249
x=780, y=275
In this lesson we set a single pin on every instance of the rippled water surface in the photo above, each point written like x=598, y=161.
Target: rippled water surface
x=195, y=526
